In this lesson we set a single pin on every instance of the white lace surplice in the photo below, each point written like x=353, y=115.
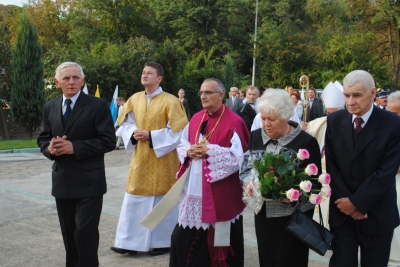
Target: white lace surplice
x=223, y=161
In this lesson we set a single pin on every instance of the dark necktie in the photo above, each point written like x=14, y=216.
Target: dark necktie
x=67, y=112
x=358, y=121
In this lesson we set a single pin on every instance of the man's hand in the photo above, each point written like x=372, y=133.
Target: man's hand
x=204, y=147
x=345, y=205
x=141, y=135
x=356, y=215
x=194, y=152
x=60, y=146
x=303, y=125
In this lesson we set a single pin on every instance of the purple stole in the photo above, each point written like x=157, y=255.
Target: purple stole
x=221, y=200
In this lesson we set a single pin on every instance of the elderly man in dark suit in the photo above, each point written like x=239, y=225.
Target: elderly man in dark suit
x=234, y=102
x=247, y=112
x=77, y=130
x=315, y=107
x=362, y=155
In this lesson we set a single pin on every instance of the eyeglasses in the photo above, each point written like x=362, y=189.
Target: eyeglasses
x=199, y=93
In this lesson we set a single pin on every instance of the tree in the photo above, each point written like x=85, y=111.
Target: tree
x=49, y=18
x=229, y=72
x=286, y=43
x=201, y=25
x=7, y=14
x=195, y=71
x=112, y=21
x=382, y=20
x=27, y=93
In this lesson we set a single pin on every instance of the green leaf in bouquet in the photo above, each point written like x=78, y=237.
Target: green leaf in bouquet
x=289, y=180
x=282, y=170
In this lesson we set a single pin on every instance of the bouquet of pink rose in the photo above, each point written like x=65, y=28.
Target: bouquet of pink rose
x=280, y=176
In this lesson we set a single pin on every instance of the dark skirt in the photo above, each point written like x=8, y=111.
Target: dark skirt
x=189, y=247
x=276, y=247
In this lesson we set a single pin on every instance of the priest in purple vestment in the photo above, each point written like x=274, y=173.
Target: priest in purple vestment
x=210, y=224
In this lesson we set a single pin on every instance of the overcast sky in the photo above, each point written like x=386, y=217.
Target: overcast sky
x=13, y=2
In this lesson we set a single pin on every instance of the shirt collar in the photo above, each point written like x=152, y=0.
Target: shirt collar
x=366, y=116
x=284, y=140
x=155, y=93
x=73, y=99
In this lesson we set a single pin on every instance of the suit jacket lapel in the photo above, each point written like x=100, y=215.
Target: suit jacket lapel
x=347, y=133
x=77, y=111
x=368, y=132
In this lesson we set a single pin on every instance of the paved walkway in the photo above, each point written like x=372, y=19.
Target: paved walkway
x=29, y=230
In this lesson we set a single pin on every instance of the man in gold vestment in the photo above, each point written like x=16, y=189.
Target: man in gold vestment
x=152, y=124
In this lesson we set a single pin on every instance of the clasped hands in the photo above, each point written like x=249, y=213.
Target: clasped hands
x=198, y=151
x=60, y=146
x=140, y=135
x=344, y=205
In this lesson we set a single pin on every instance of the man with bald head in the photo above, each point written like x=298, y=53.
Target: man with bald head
x=362, y=156
x=234, y=102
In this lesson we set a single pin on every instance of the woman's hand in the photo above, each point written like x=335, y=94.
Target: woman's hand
x=249, y=189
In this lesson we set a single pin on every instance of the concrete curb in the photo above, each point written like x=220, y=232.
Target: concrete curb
x=21, y=150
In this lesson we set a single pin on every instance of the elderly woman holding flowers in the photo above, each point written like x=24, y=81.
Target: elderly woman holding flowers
x=276, y=247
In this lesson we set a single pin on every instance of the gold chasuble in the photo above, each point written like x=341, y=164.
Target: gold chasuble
x=149, y=175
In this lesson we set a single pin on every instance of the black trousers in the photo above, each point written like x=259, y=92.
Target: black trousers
x=276, y=247
x=189, y=247
x=375, y=249
x=79, y=221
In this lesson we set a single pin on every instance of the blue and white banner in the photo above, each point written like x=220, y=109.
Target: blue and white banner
x=114, y=106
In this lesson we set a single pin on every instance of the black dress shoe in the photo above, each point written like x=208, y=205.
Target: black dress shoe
x=158, y=251
x=123, y=251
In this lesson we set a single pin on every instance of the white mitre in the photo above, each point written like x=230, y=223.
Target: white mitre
x=332, y=96
x=338, y=85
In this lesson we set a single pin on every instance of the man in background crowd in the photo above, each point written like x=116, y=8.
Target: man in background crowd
x=381, y=99
x=315, y=108
x=248, y=112
x=185, y=102
x=234, y=102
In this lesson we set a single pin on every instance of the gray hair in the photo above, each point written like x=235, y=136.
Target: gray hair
x=393, y=97
x=277, y=102
x=359, y=76
x=252, y=87
x=220, y=87
x=67, y=64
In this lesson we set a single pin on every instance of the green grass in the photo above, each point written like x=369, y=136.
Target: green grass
x=15, y=144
